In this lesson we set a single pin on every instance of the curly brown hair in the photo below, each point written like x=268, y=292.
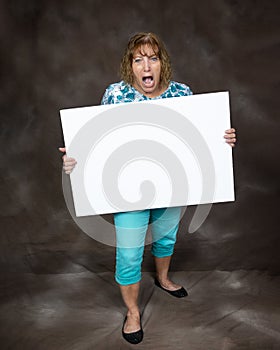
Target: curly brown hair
x=157, y=45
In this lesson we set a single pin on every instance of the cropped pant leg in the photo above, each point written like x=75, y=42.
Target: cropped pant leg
x=131, y=228
x=165, y=223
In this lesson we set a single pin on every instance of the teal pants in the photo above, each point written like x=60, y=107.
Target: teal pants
x=131, y=228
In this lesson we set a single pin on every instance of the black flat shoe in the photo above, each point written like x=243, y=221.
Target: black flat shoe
x=179, y=293
x=134, y=337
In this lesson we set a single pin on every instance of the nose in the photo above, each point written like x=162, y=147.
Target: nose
x=146, y=64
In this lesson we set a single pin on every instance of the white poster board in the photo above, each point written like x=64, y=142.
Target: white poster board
x=152, y=154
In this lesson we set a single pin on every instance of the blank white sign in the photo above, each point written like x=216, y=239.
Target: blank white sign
x=153, y=154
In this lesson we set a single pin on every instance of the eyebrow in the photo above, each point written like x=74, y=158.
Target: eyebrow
x=140, y=54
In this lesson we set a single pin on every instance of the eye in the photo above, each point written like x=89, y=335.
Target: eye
x=154, y=59
x=138, y=60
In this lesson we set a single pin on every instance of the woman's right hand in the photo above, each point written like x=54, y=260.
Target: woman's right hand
x=68, y=163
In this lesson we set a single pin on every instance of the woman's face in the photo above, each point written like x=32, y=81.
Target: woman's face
x=146, y=71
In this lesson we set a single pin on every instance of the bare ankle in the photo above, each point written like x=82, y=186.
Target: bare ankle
x=133, y=311
x=162, y=278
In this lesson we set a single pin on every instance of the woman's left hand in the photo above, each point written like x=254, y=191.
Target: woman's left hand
x=230, y=136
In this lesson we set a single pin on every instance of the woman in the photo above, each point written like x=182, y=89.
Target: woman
x=146, y=74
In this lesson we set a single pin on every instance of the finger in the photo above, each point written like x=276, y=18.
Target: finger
x=229, y=136
x=229, y=131
x=70, y=163
x=69, y=160
x=66, y=159
x=230, y=140
x=68, y=171
x=232, y=144
x=68, y=168
x=62, y=149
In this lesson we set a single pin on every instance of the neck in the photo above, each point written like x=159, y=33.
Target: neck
x=152, y=94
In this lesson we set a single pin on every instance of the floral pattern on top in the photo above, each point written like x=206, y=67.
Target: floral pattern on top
x=122, y=92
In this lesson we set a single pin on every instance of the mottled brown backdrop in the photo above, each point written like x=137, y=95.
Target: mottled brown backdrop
x=59, y=54
x=57, y=289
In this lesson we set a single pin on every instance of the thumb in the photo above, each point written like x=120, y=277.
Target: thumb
x=62, y=149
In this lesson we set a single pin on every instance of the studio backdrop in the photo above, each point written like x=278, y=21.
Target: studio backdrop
x=63, y=54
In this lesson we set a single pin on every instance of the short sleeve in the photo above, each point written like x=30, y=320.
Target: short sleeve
x=107, y=97
x=176, y=89
x=188, y=91
x=184, y=89
x=115, y=93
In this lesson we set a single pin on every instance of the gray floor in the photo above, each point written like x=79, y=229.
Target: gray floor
x=80, y=311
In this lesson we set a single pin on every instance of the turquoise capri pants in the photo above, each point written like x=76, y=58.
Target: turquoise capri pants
x=131, y=228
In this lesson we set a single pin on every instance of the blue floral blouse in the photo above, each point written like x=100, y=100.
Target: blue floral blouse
x=122, y=92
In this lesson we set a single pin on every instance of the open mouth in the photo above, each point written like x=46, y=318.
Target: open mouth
x=148, y=80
